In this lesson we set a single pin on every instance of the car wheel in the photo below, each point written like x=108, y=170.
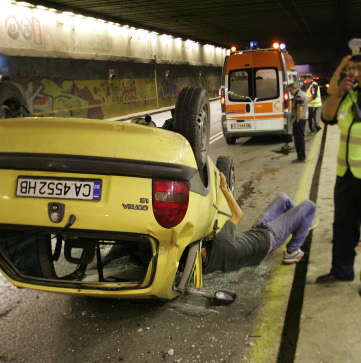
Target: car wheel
x=226, y=166
x=192, y=120
x=12, y=102
x=230, y=140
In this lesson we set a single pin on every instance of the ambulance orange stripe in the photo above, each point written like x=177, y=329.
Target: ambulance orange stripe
x=270, y=116
x=241, y=117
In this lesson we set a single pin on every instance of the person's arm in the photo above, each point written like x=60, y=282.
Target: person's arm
x=236, y=210
x=299, y=113
x=330, y=107
x=336, y=76
x=312, y=94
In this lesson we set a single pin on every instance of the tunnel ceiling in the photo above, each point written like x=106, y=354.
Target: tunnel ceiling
x=314, y=31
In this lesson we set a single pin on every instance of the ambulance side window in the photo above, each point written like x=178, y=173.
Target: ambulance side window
x=266, y=84
x=238, y=85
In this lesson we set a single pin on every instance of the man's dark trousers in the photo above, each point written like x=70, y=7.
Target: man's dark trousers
x=346, y=225
x=299, y=138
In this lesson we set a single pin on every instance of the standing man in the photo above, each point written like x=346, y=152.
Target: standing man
x=344, y=108
x=314, y=102
x=299, y=116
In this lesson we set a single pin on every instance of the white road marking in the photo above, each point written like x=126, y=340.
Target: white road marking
x=215, y=137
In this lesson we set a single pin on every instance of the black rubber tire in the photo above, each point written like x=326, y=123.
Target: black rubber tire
x=45, y=256
x=231, y=140
x=192, y=120
x=12, y=102
x=226, y=166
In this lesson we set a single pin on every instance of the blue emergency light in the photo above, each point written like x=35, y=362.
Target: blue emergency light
x=253, y=44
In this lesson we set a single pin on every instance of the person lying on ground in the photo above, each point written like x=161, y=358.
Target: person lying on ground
x=230, y=250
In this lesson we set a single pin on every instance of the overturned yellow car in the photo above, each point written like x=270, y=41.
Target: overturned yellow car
x=106, y=208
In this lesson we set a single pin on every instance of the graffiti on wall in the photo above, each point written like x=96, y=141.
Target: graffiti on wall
x=168, y=88
x=76, y=98
x=99, y=99
x=45, y=95
x=117, y=91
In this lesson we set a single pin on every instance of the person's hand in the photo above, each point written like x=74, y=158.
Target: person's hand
x=345, y=85
x=223, y=183
x=344, y=62
x=336, y=75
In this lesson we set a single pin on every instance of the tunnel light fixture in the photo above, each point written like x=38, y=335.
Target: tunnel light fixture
x=23, y=3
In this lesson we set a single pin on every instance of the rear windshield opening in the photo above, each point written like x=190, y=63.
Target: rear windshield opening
x=254, y=83
x=73, y=258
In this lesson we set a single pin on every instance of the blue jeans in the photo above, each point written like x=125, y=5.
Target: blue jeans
x=283, y=218
x=312, y=121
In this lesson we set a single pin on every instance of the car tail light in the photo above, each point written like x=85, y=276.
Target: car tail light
x=285, y=96
x=170, y=202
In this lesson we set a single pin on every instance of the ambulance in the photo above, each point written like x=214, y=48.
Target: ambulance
x=254, y=96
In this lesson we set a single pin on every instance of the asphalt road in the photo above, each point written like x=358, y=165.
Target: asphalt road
x=42, y=327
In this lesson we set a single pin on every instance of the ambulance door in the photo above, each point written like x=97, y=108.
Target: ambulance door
x=239, y=103
x=268, y=101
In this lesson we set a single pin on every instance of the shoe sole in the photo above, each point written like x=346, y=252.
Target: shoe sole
x=291, y=262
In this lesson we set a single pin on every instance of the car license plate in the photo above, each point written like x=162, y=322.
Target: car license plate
x=241, y=125
x=59, y=188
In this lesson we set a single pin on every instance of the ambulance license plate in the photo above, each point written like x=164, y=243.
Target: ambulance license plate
x=241, y=125
x=59, y=188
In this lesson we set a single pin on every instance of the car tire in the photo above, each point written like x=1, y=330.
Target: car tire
x=230, y=140
x=12, y=102
x=225, y=165
x=192, y=120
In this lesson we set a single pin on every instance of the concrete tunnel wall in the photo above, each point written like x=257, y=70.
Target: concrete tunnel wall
x=72, y=65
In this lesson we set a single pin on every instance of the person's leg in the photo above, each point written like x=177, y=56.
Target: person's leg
x=296, y=138
x=317, y=126
x=297, y=222
x=311, y=119
x=299, y=135
x=346, y=226
x=280, y=205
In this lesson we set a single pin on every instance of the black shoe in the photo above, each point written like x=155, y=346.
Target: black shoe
x=330, y=279
x=318, y=128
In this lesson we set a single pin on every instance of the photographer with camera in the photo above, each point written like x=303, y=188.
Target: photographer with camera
x=344, y=108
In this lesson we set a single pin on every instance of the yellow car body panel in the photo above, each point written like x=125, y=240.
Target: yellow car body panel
x=94, y=138
x=125, y=206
